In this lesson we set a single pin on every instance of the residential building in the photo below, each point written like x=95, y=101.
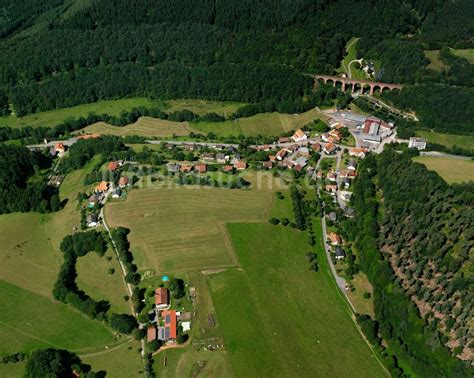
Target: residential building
x=123, y=182
x=358, y=152
x=222, y=158
x=299, y=136
x=332, y=216
x=185, y=168
x=339, y=253
x=331, y=188
x=352, y=165
x=93, y=199
x=267, y=165
x=151, y=334
x=417, y=143
x=200, y=168
x=329, y=148
x=240, y=165
x=331, y=176
x=103, y=186
x=60, y=148
x=172, y=167
x=281, y=154
x=284, y=140
x=116, y=193
x=334, y=238
x=206, y=156
x=161, y=297
x=345, y=195
x=227, y=168
x=92, y=220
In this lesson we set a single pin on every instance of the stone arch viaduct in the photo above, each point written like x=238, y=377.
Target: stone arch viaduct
x=357, y=84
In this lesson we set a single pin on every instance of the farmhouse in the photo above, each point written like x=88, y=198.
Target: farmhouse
x=161, y=297
x=170, y=320
x=335, y=238
x=299, y=136
x=200, y=168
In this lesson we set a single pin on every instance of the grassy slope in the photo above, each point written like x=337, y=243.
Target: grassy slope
x=448, y=140
x=436, y=63
x=29, y=321
x=182, y=228
x=465, y=53
x=452, y=170
x=279, y=318
x=115, y=107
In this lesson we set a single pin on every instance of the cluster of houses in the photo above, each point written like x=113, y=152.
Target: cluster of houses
x=164, y=321
x=335, y=242
x=101, y=191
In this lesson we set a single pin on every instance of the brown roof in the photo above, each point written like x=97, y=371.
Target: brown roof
x=113, y=166
x=59, y=146
x=284, y=140
x=151, y=334
x=240, y=164
x=227, y=168
x=268, y=164
x=335, y=238
x=185, y=168
x=161, y=296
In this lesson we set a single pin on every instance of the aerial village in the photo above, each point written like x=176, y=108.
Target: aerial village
x=327, y=159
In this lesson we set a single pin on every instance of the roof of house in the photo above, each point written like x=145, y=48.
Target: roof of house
x=185, y=168
x=299, y=134
x=161, y=296
x=172, y=167
x=201, y=168
x=92, y=218
x=335, y=238
x=59, y=146
x=227, y=168
x=169, y=317
x=207, y=155
x=240, y=164
x=330, y=188
x=329, y=147
x=113, y=166
x=151, y=334
x=102, y=186
x=339, y=252
x=123, y=181
x=267, y=164
x=284, y=140
x=332, y=215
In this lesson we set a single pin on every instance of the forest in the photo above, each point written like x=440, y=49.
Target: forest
x=22, y=187
x=414, y=247
x=60, y=53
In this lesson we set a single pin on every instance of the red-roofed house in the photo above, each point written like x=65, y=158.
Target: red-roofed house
x=185, y=168
x=281, y=154
x=240, y=165
x=169, y=318
x=60, y=148
x=227, y=168
x=123, y=182
x=331, y=188
x=200, y=168
x=161, y=297
x=103, y=186
x=113, y=166
x=357, y=152
x=329, y=148
x=151, y=334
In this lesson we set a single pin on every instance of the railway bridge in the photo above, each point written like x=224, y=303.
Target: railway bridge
x=357, y=84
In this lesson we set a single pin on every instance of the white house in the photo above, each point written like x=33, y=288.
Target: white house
x=417, y=143
x=299, y=136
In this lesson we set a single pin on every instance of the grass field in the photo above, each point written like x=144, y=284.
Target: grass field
x=29, y=321
x=436, y=63
x=281, y=319
x=351, y=54
x=12, y=370
x=120, y=361
x=183, y=228
x=145, y=126
x=448, y=140
x=115, y=107
x=465, y=53
x=452, y=170
x=271, y=124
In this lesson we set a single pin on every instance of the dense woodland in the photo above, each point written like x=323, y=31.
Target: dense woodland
x=415, y=249
x=60, y=53
x=22, y=185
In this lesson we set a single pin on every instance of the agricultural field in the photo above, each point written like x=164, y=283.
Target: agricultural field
x=465, y=53
x=54, y=117
x=42, y=323
x=267, y=124
x=13, y=370
x=436, y=64
x=452, y=170
x=275, y=298
x=145, y=126
x=122, y=360
x=448, y=140
x=182, y=228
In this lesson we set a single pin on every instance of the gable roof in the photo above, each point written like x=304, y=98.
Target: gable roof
x=169, y=317
x=161, y=296
x=151, y=334
x=102, y=186
x=113, y=166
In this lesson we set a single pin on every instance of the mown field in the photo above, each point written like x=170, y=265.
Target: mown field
x=145, y=126
x=281, y=319
x=182, y=228
x=451, y=169
x=115, y=107
x=448, y=140
x=436, y=63
x=29, y=321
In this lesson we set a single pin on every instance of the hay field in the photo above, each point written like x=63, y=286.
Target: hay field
x=145, y=126
x=452, y=170
x=182, y=228
x=448, y=140
x=270, y=124
x=281, y=319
